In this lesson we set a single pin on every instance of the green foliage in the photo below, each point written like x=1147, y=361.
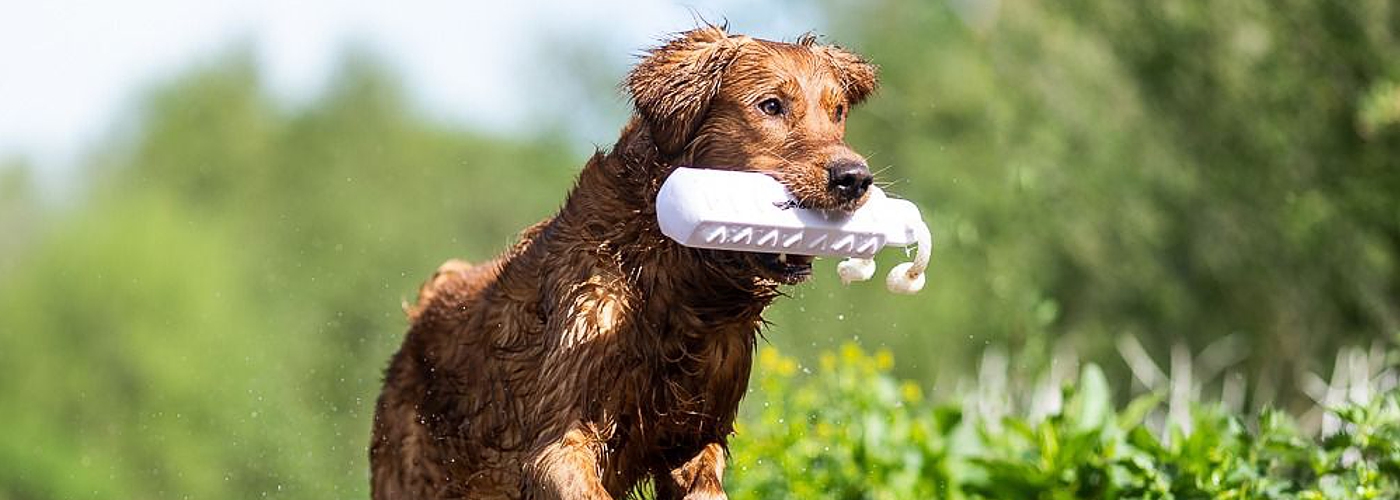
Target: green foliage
x=847, y=431
x=852, y=431
x=212, y=320
x=1176, y=171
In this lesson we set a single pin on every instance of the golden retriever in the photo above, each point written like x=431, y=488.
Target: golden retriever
x=596, y=354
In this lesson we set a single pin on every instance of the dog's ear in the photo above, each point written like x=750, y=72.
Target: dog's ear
x=672, y=86
x=858, y=76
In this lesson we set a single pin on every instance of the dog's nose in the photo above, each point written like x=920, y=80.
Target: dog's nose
x=849, y=179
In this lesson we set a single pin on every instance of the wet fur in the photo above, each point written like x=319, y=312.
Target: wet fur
x=597, y=354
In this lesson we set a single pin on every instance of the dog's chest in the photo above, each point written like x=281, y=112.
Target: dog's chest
x=701, y=378
x=677, y=359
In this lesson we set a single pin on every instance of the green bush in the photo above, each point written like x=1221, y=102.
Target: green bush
x=852, y=431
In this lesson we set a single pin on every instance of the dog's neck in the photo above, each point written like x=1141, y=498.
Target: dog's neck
x=614, y=201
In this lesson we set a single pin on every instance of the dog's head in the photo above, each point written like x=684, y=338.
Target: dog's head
x=714, y=100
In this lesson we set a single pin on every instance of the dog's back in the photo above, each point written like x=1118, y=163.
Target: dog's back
x=416, y=452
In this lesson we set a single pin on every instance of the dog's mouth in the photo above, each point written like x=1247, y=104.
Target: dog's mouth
x=788, y=269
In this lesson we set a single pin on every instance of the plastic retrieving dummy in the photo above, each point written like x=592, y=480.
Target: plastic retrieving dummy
x=750, y=211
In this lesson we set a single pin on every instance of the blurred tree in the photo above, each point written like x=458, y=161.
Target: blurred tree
x=1177, y=171
x=213, y=321
x=19, y=210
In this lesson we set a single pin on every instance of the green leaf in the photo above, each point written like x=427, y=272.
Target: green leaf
x=1137, y=410
x=1090, y=407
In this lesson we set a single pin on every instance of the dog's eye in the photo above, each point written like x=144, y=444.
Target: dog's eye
x=840, y=112
x=771, y=106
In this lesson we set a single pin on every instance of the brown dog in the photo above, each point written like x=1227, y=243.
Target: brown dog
x=597, y=354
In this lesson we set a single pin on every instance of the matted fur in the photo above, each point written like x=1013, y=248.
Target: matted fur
x=597, y=354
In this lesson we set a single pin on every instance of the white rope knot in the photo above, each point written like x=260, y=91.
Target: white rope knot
x=855, y=269
x=908, y=278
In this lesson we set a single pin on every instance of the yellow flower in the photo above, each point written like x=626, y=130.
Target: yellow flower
x=910, y=392
x=884, y=360
x=771, y=361
x=850, y=353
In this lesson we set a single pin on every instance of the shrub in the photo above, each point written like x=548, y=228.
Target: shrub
x=852, y=431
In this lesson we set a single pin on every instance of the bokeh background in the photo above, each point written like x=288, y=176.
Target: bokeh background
x=210, y=215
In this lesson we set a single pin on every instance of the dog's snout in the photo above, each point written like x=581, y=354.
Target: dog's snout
x=848, y=179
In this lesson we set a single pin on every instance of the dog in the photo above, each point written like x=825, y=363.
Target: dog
x=596, y=355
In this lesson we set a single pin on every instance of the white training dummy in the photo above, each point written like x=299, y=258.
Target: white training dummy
x=750, y=211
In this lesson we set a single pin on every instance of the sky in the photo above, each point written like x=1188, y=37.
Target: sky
x=71, y=72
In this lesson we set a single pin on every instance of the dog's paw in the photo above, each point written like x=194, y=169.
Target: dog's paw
x=706, y=495
x=706, y=487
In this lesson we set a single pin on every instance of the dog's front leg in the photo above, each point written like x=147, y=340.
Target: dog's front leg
x=699, y=478
x=567, y=469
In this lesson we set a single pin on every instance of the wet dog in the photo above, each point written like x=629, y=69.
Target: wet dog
x=596, y=354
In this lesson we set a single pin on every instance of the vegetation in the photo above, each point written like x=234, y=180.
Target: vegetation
x=207, y=313
x=852, y=431
x=1175, y=172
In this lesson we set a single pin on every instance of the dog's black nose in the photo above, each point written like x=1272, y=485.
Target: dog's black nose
x=849, y=179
